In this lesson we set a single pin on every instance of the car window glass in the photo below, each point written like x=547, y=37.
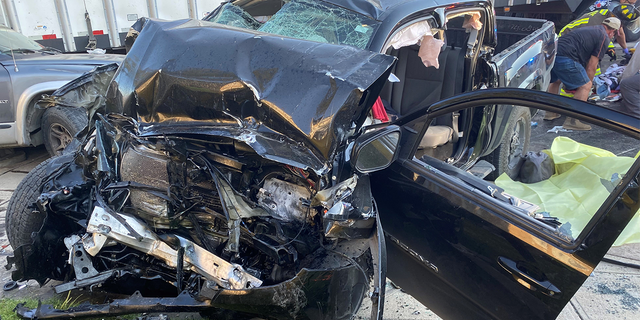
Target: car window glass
x=11, y=40
x=556, y=170
x=308, y=20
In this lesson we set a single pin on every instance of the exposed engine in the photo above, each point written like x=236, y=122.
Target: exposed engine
x=185, y=212
x=184, y=196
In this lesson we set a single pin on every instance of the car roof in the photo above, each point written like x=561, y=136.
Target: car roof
x=376, y=9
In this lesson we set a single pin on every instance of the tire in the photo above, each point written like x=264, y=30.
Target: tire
x=60, y=125
x=632, y=35
x=515, y=142
x=21, y=220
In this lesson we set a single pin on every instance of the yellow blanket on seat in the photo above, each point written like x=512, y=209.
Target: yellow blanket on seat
x=579, y=186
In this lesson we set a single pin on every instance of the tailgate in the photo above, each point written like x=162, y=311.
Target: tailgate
x=528, y=62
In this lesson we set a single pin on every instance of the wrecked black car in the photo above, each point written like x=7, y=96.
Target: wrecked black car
x=239, y=173
x=194, y=181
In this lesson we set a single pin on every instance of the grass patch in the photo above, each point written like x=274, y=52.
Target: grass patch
x=60, y=302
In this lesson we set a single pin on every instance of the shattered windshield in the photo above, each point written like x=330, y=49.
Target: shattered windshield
x=234, y=16
x=316, y=21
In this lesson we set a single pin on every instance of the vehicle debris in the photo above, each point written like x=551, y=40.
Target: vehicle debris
x=557, y=129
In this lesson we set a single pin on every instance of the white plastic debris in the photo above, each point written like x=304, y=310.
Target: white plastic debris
x=97, y=51
x=557, y=129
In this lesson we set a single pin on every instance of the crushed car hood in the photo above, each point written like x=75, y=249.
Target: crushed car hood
x=293, y=101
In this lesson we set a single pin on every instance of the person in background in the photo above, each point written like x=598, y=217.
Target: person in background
x=579, y=53
x=625, y=11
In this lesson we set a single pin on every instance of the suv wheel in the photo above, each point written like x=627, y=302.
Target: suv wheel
x=514, y=144
x=22, y=220
x=60, y=125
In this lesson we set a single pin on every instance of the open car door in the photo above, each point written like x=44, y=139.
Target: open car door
x=470, y=249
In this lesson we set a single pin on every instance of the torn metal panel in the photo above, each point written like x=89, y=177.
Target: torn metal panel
x=328, y=197
x=180, y=82
x=287, y=300
x=86, y=91
x=293, y=299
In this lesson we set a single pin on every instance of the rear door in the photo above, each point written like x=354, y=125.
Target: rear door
x=474, y=249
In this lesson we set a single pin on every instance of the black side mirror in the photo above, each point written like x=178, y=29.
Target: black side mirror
x=376, y=150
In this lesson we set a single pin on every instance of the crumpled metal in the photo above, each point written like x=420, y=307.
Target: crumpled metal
x=191, y=76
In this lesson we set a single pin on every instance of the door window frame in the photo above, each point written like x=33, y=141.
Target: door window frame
x=605, y=118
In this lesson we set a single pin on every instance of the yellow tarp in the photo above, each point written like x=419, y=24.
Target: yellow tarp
x=576, y=191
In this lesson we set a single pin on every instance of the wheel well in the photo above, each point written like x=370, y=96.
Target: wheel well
x=33, y=119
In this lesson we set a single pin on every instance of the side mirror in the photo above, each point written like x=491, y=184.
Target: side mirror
x=375, y=150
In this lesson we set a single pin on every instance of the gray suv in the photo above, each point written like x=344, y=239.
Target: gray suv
x=29, y=70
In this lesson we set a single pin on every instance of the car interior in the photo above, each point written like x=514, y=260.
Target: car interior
x=414, y=86
x=421, y=86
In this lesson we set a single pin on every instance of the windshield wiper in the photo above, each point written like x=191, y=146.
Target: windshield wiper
x=50, y=50
x=21, y=50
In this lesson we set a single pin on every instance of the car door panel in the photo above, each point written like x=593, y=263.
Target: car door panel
x=6, y=104
x=467, y=255
x=459, y=238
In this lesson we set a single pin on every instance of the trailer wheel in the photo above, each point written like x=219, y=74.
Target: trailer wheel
x=60, y=125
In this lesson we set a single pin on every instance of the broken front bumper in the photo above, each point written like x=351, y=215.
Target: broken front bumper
x=338, y=294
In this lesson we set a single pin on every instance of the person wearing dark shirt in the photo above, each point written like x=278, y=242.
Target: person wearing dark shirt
x=579, y=53
x=625, y=11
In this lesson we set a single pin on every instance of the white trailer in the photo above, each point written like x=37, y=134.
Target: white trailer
x=62, y=24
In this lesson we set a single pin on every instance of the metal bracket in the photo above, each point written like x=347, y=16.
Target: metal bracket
x=79, y=258
x=117, y=226
x=97, y=279
x=82, y=262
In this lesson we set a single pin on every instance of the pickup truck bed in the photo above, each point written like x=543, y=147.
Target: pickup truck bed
x=510, y=31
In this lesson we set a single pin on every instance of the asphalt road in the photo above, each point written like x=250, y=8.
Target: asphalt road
x=599, y=137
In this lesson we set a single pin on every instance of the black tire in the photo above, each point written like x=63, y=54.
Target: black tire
x=60, y=125
x=630, y=35
x=21, y=219
x=512, y=144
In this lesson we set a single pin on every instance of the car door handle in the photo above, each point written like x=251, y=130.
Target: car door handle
x=527, y=280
